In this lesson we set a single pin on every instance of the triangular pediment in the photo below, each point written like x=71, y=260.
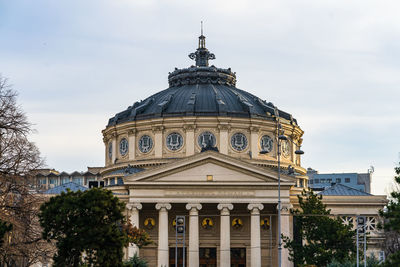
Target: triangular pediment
x=208, y=167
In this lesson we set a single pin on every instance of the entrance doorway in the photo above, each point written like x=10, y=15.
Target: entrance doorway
x=238, y=257
x=208, y=257
x=180, y=257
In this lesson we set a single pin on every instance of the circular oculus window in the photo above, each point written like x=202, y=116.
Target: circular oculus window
x=239, y=141
x=266, y=143
x=123, y=146
x=174, y=141
x=145, y=144
x=206, y=139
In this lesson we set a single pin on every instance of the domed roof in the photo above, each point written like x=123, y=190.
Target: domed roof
x=200, y=90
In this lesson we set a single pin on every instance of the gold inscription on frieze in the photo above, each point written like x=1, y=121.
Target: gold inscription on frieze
x=217, y=194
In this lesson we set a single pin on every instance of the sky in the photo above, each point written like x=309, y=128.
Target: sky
x=334, y=65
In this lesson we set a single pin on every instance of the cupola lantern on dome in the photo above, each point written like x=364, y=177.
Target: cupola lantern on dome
x=202, y=55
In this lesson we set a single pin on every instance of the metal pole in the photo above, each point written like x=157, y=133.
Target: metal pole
x=279, y=200
x=358, y=260
x=176, y=241
x=365, y=241
x=270, y=239
x=184, y=240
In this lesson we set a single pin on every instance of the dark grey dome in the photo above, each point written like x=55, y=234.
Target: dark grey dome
x=200, y=91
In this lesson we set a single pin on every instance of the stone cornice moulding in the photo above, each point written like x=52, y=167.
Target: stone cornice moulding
x=132, y=131
x=255, y=129
x=157, y=128
x=209, y=155
x=224, y=127
x=189, y=127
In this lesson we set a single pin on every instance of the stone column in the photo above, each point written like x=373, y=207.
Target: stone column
x=286, y=230
x=193, y=234
x=134, y=219
x=162, y=259
x=225, y=234
x=255, y=243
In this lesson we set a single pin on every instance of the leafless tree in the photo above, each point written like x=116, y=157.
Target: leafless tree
x=19, y=198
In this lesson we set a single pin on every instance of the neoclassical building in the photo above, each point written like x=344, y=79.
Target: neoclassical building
x=206, y=150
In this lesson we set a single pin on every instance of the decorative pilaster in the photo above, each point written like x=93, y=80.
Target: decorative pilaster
x=162, y=259
x=255, y=242
x=190, y=140
x=158, y=140
x=106, y=159
x=193, y=234
x=254, y=132
x=223, y=138
x=132, y=144
x=114, y=148
x=133, y=209
x=225, y=234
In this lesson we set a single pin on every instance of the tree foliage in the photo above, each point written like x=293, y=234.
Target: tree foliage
x=87, y=228
x=321, y=238
x=392, y=224
x=371, y=262
x=137, y=236
x=18, y=196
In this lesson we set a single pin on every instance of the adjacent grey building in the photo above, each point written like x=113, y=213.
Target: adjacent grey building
x=321, y=181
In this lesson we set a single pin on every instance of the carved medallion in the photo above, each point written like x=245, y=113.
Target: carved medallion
x=123, y=146
x=145, y=144
x=265, y=223
x=149, y=223
x=237, y=223
x=239, y=142
x=207, y=223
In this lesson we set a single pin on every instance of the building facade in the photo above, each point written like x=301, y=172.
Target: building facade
x=208, y=151
x=50, y=178
x=320, y=181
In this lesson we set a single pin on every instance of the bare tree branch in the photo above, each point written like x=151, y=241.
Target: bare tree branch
x=19, y=198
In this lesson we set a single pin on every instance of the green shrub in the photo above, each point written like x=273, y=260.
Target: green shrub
x=136, y=261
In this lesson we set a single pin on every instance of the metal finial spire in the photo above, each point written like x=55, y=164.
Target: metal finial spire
x=202, y=55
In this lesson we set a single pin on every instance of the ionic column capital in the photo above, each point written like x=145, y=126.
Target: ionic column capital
x=163, y=206
x=134, y=205
x=225, y=207
x=286, y=207
x=255, y=207
x=195, y=206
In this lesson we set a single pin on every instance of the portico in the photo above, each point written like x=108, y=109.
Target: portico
x=223, y=215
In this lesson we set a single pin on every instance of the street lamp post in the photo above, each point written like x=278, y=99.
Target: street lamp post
x=280, y=137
